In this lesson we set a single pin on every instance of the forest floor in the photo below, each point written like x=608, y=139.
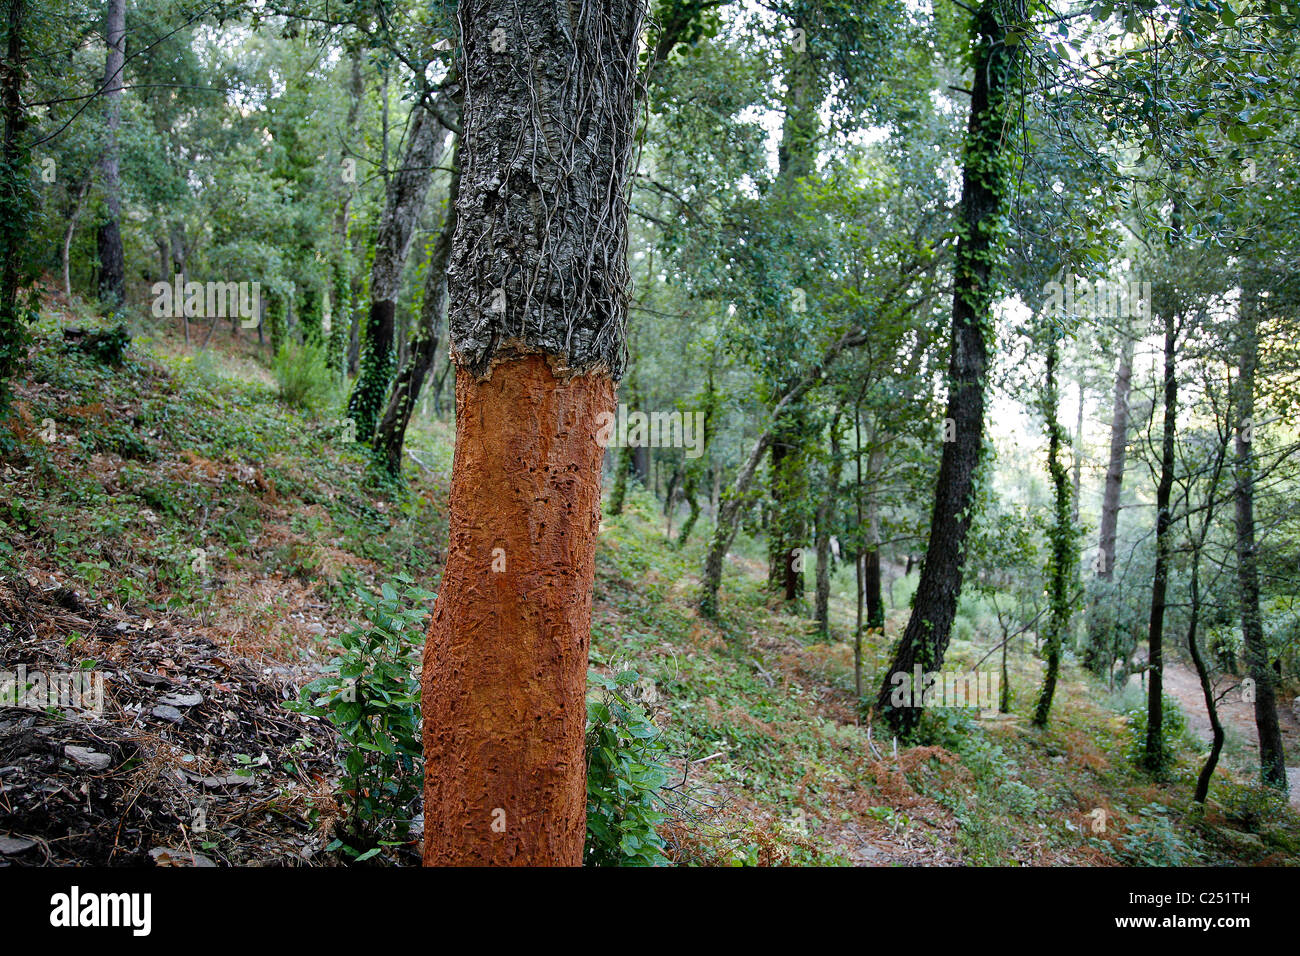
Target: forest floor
x=113, y=478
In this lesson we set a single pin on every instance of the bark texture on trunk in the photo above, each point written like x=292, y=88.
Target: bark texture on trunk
x=538, y=312
x=112, y=262
x=1272, y=758
x=925, y=639
x=505, y=668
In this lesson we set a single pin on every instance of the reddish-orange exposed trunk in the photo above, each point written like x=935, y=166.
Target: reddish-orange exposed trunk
x=505, y=666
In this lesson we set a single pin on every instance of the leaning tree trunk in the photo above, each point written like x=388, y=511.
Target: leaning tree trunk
x=996, y=69
x=1101, y=616
x=538, y=293
x=402, y=208
x=1272, y=758
x=391, y=431
x=112, y=262
x=1154, y=754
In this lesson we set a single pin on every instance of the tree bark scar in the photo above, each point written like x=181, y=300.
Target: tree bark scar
x=507, y=645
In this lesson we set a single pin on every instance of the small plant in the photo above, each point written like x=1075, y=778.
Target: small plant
x=303, y=376
x=372, y=696
x=1153, y=840
x=1173, y=729
x=624, y=776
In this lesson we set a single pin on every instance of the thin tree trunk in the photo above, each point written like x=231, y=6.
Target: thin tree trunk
x=825, y=511
x=71, y=230
x=112, y=262
x=738, y=498
x=1272, y=758
x=996, y=73
x=1154, y=753
x=505, y=666
x=15, y=200
x=1060, y=565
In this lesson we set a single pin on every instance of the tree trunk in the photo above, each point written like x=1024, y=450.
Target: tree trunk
x=1272, y=758
x=996, y=72
x=15, y=201
x=391, y=432
x=1099, y=652
x=112, y=262
x=825, y=511
x=738, y=498
x=505, y=666
x=1154, y=754
x=1060, y=564
x=403, y=205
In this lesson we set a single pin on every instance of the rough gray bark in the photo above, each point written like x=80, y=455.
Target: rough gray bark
x=1115, y=463
x=112, y=262
x=1272, y=757
x=521, y=104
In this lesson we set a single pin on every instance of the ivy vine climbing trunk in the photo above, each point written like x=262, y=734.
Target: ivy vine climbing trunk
x=1062, y=556
x=538, y=309
x=390, y=434
x=15, y=200
x=112, y=262
x=986, y=158
x=403, y=204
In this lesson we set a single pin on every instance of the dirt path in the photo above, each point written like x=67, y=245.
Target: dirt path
x=1183, y=685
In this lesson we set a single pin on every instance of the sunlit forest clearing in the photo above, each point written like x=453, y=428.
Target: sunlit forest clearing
x=702, y=433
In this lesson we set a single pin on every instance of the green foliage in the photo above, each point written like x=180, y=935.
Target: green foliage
x=624, y=776
x=372, y=696
x=1173, y=730
x=303, y=376
x=1155, y=840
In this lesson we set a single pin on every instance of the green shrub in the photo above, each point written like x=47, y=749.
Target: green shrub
x=1173, y=729
x=624, y=776
x=303, y=376
x=372, y=695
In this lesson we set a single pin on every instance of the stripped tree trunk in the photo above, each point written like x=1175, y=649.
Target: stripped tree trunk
x=538, y=311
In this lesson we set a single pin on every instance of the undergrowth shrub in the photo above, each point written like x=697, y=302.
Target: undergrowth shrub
x=371, y=694
x=303, y=375
x=624, y=775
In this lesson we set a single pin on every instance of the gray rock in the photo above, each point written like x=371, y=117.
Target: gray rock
x=87, y=757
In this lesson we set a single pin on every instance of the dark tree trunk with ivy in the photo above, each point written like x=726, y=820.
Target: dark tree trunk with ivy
x=984, y=186
x=112, y=262
x=391, y=432
x=538, y=311
x=1062, y=556
x=1272, y=757
x=403, y=205
x=15, y=200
